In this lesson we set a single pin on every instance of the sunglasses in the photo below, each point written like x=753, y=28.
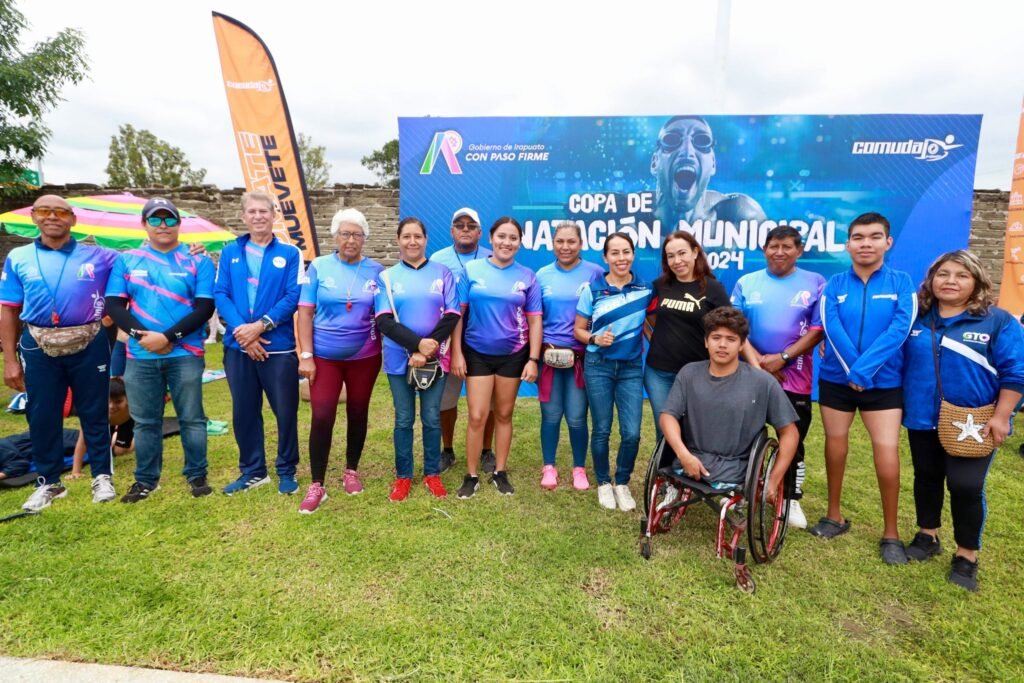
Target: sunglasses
x=47, y=211
x=466, y=227
x=673, y=140
x=157, y=221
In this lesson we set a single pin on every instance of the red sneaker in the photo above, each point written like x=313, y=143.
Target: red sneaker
x=400, y=490
x=434, y=485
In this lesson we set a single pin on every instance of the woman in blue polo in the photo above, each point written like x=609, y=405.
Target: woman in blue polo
x=561, y=390
x=495, y=346
x=978, y=352
x=610, y=320
x=340, y=348
x=417, y=309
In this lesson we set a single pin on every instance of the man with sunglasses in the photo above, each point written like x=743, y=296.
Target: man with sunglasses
x=51, y=293
x=466, y=234
x=161, y=295
x=258, y=283
x=682, y=164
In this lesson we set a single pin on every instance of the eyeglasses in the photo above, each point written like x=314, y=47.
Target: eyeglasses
x=346, y=236
x=466, y=227
x=47, y=211
x=157, y=221
x=673, y=140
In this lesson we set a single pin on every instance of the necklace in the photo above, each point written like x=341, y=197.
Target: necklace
x=351, y=284
x=459, y=257
x=54, y=316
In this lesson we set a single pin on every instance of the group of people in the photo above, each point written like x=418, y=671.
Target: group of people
x=472, y=316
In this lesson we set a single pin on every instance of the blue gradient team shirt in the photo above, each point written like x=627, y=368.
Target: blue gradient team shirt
x=161, y=289
x=70, y=280
x=421, y=296
x=253, y=262
x=623, y=311
x=343, y=295
x=560, y=290
x=780, y=311
x=456, y=262
x=495, y=303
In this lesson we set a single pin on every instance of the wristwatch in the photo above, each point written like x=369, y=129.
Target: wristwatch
x=785, y=357
x=535, y=360
x=268, y=324
x=593, y=340
x=306, y=355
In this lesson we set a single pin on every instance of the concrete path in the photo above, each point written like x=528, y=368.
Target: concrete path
x=17, y=670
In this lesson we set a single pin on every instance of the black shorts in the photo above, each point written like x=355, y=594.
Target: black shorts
x=842, y=397
x=482, y=364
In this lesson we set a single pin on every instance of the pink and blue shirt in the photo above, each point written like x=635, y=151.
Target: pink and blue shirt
x=560, y=291
x=69, y=281
x=161, y=289
x=421, y=297
x=495, y=304
x=456, y=261
x=343, y=295
x=780, y=311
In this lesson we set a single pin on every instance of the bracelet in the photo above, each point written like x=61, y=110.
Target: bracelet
x=533, y=360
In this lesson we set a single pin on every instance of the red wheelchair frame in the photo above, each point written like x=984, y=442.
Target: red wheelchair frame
x=740, y=512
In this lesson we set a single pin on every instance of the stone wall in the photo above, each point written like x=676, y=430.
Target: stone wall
x=988, y=219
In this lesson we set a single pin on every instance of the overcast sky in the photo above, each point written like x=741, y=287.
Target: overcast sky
x=350, y=69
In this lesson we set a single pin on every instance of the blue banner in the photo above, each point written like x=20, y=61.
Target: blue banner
x=727, y=179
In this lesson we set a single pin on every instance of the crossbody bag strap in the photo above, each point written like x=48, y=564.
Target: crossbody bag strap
x=391, y=299
x=935, y=357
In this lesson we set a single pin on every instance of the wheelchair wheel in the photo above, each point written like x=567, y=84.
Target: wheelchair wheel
x=766, y=522
x=656, y=492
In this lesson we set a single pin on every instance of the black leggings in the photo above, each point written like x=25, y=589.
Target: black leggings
x=965, y=477
x=795, y=475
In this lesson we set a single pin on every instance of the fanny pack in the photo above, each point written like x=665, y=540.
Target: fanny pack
x=63, y=341
x=559, y=357
x=424, y=378
x=960, y=427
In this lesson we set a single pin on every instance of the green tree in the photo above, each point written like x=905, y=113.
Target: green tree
x=314, y=163
x=138, y=158
x=384, y=163
x=30, y=85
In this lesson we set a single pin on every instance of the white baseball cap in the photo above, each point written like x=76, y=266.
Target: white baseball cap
x=466, y=211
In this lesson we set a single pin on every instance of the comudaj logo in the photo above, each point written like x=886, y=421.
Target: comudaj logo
x=929, y=149
x=445, y=144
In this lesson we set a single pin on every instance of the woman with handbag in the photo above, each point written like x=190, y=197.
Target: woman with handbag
x=610, y=319
x=495, y=346
x=417, y=309
x=560, y=386
x=963, y=375
x=340, y=349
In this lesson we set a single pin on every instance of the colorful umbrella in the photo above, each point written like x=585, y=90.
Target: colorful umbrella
x=115, y=220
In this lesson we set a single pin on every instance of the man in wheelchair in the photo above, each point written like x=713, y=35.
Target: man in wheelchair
x=713, y=423
x=717, y=408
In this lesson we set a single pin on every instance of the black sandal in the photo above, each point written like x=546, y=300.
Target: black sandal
x=829, y=528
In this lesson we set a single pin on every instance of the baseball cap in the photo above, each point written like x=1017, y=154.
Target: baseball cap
x=466, y=211
x=157, y=204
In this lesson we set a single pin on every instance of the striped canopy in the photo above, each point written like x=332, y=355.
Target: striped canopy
x=115, y=220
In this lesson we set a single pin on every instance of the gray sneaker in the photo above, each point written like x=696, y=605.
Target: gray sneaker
x=43, y=496
x=103, y=489
x=488, y=461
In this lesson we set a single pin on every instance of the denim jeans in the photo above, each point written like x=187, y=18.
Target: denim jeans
x=658, y=384
x=405, y=417
x=568, y=400
x=145, y=382
x=618, y=384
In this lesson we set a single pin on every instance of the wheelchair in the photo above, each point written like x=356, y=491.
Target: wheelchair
x=741, y=513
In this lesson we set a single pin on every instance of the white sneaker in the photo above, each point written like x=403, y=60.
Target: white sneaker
x=671, y=496
x=43, y=496
x=624, y=498
x=796, y=516
x=103, y=489
x=606, y=496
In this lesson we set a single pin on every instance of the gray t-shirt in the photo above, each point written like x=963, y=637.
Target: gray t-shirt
x=721, y=416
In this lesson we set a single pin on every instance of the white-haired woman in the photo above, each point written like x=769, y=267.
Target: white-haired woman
x=340, y=348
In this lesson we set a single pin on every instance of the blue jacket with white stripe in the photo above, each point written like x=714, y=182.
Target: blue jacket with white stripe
x=978, y=356
x=865, y=327
x=277, y=296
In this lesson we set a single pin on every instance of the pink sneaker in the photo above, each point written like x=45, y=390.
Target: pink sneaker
x=350, y=481
x=315, y=495
x=579, y=479
x=549, y=478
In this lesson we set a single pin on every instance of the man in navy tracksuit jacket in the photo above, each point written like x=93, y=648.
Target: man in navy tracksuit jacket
x=257, y=293
x=867, y=312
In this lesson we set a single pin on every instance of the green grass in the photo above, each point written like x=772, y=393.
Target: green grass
x=542, y=586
